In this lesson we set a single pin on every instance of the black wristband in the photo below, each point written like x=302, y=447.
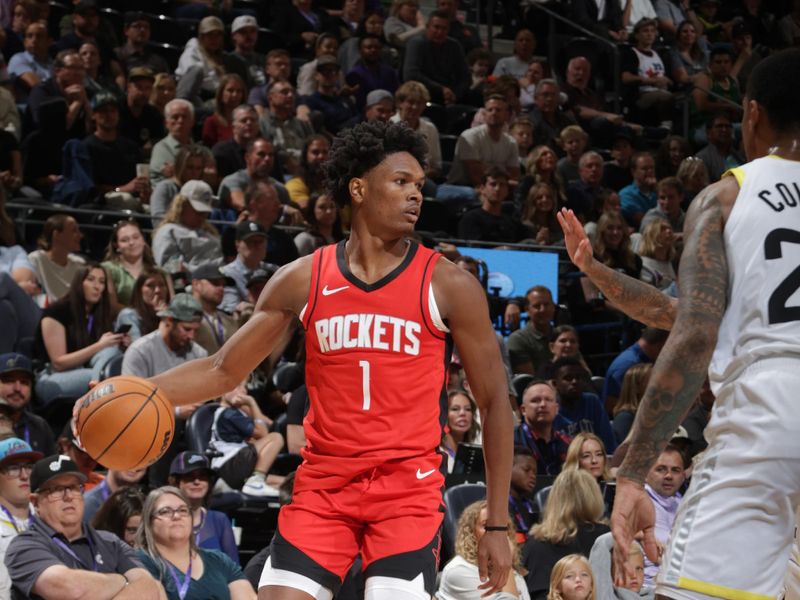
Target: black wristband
x=496, y=528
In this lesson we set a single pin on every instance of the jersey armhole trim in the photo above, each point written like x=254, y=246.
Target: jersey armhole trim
x=436, y=316
x=737, y=173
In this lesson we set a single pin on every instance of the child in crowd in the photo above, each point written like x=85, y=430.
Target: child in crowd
x=573, y=140
x=572, y=579
x=522, y=131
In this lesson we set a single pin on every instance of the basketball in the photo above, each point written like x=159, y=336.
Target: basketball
x=124, y=423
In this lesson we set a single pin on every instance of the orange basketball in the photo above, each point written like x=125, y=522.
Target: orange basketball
x=124, y=423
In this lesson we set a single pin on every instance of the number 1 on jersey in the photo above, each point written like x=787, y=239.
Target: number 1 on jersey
x=364, y=364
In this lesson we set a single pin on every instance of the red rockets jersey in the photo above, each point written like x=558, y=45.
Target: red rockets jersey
x=375, y=368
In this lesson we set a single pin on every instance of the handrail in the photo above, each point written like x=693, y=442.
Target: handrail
x=616, y=65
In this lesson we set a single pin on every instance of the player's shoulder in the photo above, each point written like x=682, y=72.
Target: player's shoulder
x=720, y=195
x=455, y=288
x=288, y=288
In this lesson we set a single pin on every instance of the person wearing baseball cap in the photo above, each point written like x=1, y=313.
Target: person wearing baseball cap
x=139, y=120
x=336, y=109
x=16, y=464
x=379, y=106
x=244, y=32
x=171, y=344
x=16, y=385
x=191, y=473
x=58, y=556
x=208, y=288
x=134, y=52
x=183, y=240
x=251, y=254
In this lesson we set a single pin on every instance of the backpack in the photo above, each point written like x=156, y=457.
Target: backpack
x=76, y=187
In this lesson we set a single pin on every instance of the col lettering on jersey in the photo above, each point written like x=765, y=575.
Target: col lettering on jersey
x=368, y=331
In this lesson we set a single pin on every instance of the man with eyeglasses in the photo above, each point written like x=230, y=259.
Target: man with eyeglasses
x=720, y=154
x=16, y=383
x=16, y=464
x=59, y=557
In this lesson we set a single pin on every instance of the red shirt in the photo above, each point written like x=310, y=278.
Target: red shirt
x=375, y=368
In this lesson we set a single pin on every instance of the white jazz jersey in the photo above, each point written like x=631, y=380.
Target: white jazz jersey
x=762, y=243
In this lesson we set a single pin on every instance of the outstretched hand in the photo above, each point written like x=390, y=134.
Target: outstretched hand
x=494, y=562
x=578, y=245
x=633, y=513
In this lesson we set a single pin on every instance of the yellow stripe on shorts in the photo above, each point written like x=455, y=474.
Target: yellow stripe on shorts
x=719, y=591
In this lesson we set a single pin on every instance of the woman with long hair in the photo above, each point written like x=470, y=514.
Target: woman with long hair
x=189, y=164
x=670, y=153
x=309, y=181
x=98, y=78
x=540, y=167
x=588, y=452
x=185, y=239
x=168, y=550
x=572, y=521
x=218, y=127
x=462, y=424
x=687, y=57
x=370, y=24
x=460, y=578
x=657, y=249
x=693, y=175
x=152, y=292
x=75, y=337
x=121, y=514
x=164, y=90
x=539, y=215
x=405, y=21
x=612, y=245
x=127, y=255
x=56, y=261
x=633, y=386
x=324, y=225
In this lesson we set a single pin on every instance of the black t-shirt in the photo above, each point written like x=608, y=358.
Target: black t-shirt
x=113, y=163
x=147, y=127
x=477, y=224
x=8, y=144
x=280, y=247
x=61, y=312
x=34, y=429
x=229, y=156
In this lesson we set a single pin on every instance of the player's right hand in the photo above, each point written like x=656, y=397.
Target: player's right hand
x=577, y=242
x=633, y=514
x=494, y=562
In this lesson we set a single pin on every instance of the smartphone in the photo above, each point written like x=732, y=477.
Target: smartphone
x=124, y=328
x=142, y=170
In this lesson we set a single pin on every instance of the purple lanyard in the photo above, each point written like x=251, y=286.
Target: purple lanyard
x=219, y=333
x=199, y=527
x=26, y=434
x=523, y=526
x=104, y=491
x=11, y=518
x=182, y=586
x=71, y=552
x=89, y=323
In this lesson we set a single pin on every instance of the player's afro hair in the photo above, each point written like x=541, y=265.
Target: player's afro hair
x=358, y=150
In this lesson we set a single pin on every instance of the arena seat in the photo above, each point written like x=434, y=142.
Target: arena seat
x=456, y=499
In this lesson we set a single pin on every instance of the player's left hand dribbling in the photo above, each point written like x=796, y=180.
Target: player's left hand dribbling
x=494, y=562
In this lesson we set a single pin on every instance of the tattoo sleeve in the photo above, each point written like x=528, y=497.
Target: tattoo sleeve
x=637, y=299
x=682, y=365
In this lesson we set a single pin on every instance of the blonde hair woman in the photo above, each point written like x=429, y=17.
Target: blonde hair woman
x=460, y=578
x=657, y=249
x=633, y=386
x=588, y=452
x=573, y=519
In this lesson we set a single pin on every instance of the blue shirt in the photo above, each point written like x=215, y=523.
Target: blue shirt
x=634, y=200
x=549, y=455
x=589, y=414
x=632, y=355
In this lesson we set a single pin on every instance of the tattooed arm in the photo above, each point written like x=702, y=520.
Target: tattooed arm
x=681, y=367
x=637, y=299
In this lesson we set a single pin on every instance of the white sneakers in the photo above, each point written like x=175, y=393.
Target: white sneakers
x=257, y=486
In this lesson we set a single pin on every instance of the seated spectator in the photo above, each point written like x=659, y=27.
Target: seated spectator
x=540, y=167
x=462, y=426
x=640, y=196
x=522, y=131
x=572, y=579
x=539, y=216
x=563, y=342
x=184, y=239
x=18, y=287
x=689, y=60
x=121, y=514
x=548, y=119
x=670, y=154
x=604, y=20
x=300, y=24
x=523, y=482
x=114, y=158
x=263, y=206
x=75, y=337
x=719, y=81
x=460, y=580
x=720, y=154
x=218, y=127
x=191, y=473
x=279, y=123
x=86, y=25
x=604, y=572
x=203, y=63
x=709, y=18
x=138, y=120
x=244, y=33
x=179, y=118
x=645, y=350
x=324, y=225
x=169, y=551
x=411, y=99
x=693, y=175
x=487, y=222
x=516, y=65
x=114, y=481
x=16, y=382
x=230, y=153
x=573, y=141
x=22, y=15
x=617, y=171
x=134, y=52
x=644, y=76
x=529, y=345
x=437, y=61
x=55, y=263
x=465, y=34
x=325, y=45
x=370, y=72
x=309, y=181
x=788, y=29
x=34, y=65
x=582, y=409
x=612, y=245
x=189, y=164
x=634, y=384
x=583, y=195
x=479, y=61
x=216, y=326
x=259, y=161
x=83, y=559
x=99, y=77
x=164, y=90
x=127, y=256
x=404, y=22
x=151, y=294
x=277, y=67
x=670, y=15
x=66, y=85
x=336, y=109
x=635, y=10
x=171, y=344
x=542, y=428
x=251, y=252
x=69, y=447
x=657, y=250
x=378, y=106
x=371, y=23
x=572, y=521
x=588, y=452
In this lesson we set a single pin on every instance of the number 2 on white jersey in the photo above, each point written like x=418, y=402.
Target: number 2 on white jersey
x=364, y=364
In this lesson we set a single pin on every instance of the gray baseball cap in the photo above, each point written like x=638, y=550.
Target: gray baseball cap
x=199, y=194
x=183, y=307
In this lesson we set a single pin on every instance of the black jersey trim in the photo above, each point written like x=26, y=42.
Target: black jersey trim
x=344, y=268
x=286, y=556
x=409, y=565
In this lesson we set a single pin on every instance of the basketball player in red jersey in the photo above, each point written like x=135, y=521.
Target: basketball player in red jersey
x=379, y=312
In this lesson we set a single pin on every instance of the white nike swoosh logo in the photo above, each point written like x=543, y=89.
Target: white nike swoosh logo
x=425, y=474
x=327, y=292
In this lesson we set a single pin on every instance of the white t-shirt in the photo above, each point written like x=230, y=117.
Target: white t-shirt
x=460, y=581
x=475, y=144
